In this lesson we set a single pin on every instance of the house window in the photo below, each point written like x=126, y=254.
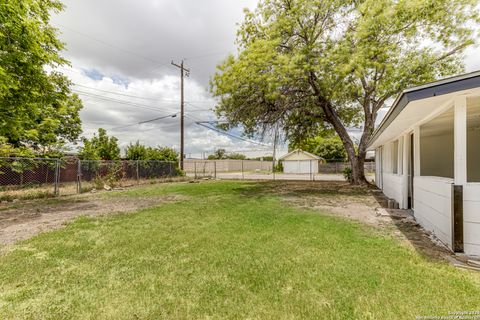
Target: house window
x=395, y=157
x=473, y=140
x=437, y=146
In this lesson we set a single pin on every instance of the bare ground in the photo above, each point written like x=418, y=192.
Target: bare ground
x=21, y=221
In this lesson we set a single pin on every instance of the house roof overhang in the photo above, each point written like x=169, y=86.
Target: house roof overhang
x=438, y=92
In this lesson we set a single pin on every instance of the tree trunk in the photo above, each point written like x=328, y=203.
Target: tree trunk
x=358, y=169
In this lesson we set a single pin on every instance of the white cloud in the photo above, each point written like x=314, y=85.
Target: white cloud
x=119, y=108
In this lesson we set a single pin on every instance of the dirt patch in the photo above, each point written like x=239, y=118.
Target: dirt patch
x=22, y=221
x=364, y=204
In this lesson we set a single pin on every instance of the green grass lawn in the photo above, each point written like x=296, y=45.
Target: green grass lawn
x=226, y=250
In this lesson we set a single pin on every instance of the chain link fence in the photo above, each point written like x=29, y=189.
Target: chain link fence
x=308, y=170
x=25, y=178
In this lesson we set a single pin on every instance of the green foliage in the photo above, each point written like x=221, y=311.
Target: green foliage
x=101, y=147
x=278, y=167
x=348, y=174
x=236, y=156
x=163, y=154
x=326, y=65
x=8, y=150
x=137, y=151
x=38, y=111
x=330, y=149
x=219, y=154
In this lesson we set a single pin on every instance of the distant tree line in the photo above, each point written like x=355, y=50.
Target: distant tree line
x=222, y=154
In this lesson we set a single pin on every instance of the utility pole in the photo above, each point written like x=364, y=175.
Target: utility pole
x=183, y=73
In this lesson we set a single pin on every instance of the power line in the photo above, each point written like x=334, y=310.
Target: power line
x=230, y=135
x=139, y=97
x=146, y=121
x=126, y=95
x=110, y=99
x=112, y=45
x=131, y=96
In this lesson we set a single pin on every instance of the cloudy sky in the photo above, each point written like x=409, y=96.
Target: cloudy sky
x=121, y=51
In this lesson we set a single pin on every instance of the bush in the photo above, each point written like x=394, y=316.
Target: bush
x=348, y=174
x=279, y=167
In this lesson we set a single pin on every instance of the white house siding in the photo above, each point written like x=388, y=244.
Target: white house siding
x=378, y=168
x=471, y=216
x=393, y=186
x=433, y=206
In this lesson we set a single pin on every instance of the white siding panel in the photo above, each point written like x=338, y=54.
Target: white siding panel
x=433, y=206
x=472, y=249
x=393, y=186
x=471, y=211
x=471, y=232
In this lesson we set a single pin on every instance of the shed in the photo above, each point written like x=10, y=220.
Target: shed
x=299, y=161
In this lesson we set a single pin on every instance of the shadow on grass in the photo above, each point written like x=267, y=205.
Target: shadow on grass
x=404, y=221
x=401, y=220
x=303, y=188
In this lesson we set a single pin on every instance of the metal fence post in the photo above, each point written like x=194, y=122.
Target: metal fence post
x=57, y=178
x=243, y=174
x=311, y=179
x=195, y=169
x=79, y=176
x=215, y=169
x=138, y=177
x=273, y=169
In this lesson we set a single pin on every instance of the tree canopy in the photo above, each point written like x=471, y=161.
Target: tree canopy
x=138, y=151
x=37, y=109
x=328, y=148
x=316, y=65
x=101, y=147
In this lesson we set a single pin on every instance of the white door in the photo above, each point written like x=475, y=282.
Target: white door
x=304, y=166
x=290, y=166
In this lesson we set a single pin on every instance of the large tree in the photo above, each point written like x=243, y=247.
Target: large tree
x=316, y=65
x=37, y=109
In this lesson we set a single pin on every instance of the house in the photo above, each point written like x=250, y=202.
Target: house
x=427, y=151
x=299, y=161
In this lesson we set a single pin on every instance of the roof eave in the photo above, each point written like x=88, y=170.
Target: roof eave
x=441, y=87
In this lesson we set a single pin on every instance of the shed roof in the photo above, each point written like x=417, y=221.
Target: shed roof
x=298, y=151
